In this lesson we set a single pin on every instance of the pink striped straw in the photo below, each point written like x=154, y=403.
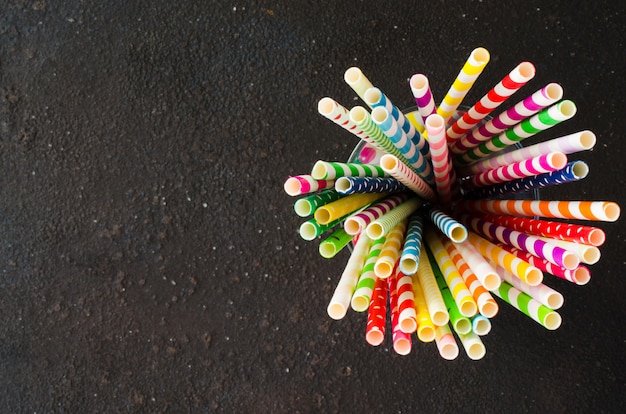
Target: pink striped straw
x=304, y=184
x=423, y=95
x=537, y=165
x=357, y=222
x=442, y=167
x=539, y=100
x=511, y=83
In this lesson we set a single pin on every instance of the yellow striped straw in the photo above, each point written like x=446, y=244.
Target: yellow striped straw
x=391, y=250
x=381, y=226
x=425, y=325
x=434, y=300
x=355, y=78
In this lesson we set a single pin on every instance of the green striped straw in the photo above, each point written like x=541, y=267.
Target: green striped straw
x=381, y=226
x=543, y=120
x=331, y=170
x=307, y=205
x=333, y=244
x=545, y=316
x=311, y=229
x=365, y=286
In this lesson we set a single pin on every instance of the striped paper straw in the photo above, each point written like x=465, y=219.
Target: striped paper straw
x=423, y=95
x=343, y=206
x=366, y=284
x=340, y=115
x=447, y=346
x=461, y=294
x=440, y=158
x=311, y=229
x=379, y=227
x=409, y=260
x=481, y=325
x=577, y=210
x=537, y=165
x=327, y=170
x=398, y=137
x=376, y=98
x=355, y=78
x=568, y=144
x=539, y=100
x=304, y=184
x=464, y=81
x=545, y=119
x=511, y=83
x=532, y=244
x=483, y=271
x=392, y=165
x=333, y=244
x=541, y=314
x=363, y=120
x=401, y=340
x=390, y=252
x=573, y=171
x=588, y=254
x=487, y=306
x=541, y=293
x=340, y=300
x=553, y=229
x=377, y=314
x=357, y=222
x=434, y=300
x=425, y=326
x=473, y=345
x=453, y=230
x=354, y=185
x=510, y=262
x=579, y=276
x=407, y=317
x=307, y=205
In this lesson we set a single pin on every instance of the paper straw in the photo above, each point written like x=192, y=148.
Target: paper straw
x=366, y=284
x=409, y=260
x=306, y=206
x=464, y=301
x=557, y=230
x=376, y=98
x=377, y=314
x=537, y=165
x=470, y=71
x=510, y=262
x=401, y=340
x=586, y=253
x=545, y=119
x=304, y=184
x=357, y=222
x=543, y=248
x=398, y=137
x=541, y=314
x=340, y=115
x=453, y=230
x=390, y=252
x=354, y=185
x=579, y=276
x=573, y=171
x=423, y=95
x=440, y=158
x=568, y=144
x=447, y=346
x=333, y=244
x=326, y=170
x=541, y=293
x=481, y=325
x=487, y=305
x=363, y=120
x=340, y=300
x=355, y=78
x=485, y=273
x=407, y=317
x=577, y=210
x=392, y=165
x=511, y=83
x=343, y=206
x=311, y=229
x=434, y=300
x=473, y=345
x=539, y=100
x=425, y=326
x=379, y=227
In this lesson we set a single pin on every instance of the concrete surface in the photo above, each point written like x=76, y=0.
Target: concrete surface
x=149, y=260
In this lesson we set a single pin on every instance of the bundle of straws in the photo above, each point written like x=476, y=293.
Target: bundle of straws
x=440, y=211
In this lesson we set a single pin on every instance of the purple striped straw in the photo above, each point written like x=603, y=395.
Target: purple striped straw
x=423, y=95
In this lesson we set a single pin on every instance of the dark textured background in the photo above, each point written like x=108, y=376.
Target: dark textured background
x=149, y=259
